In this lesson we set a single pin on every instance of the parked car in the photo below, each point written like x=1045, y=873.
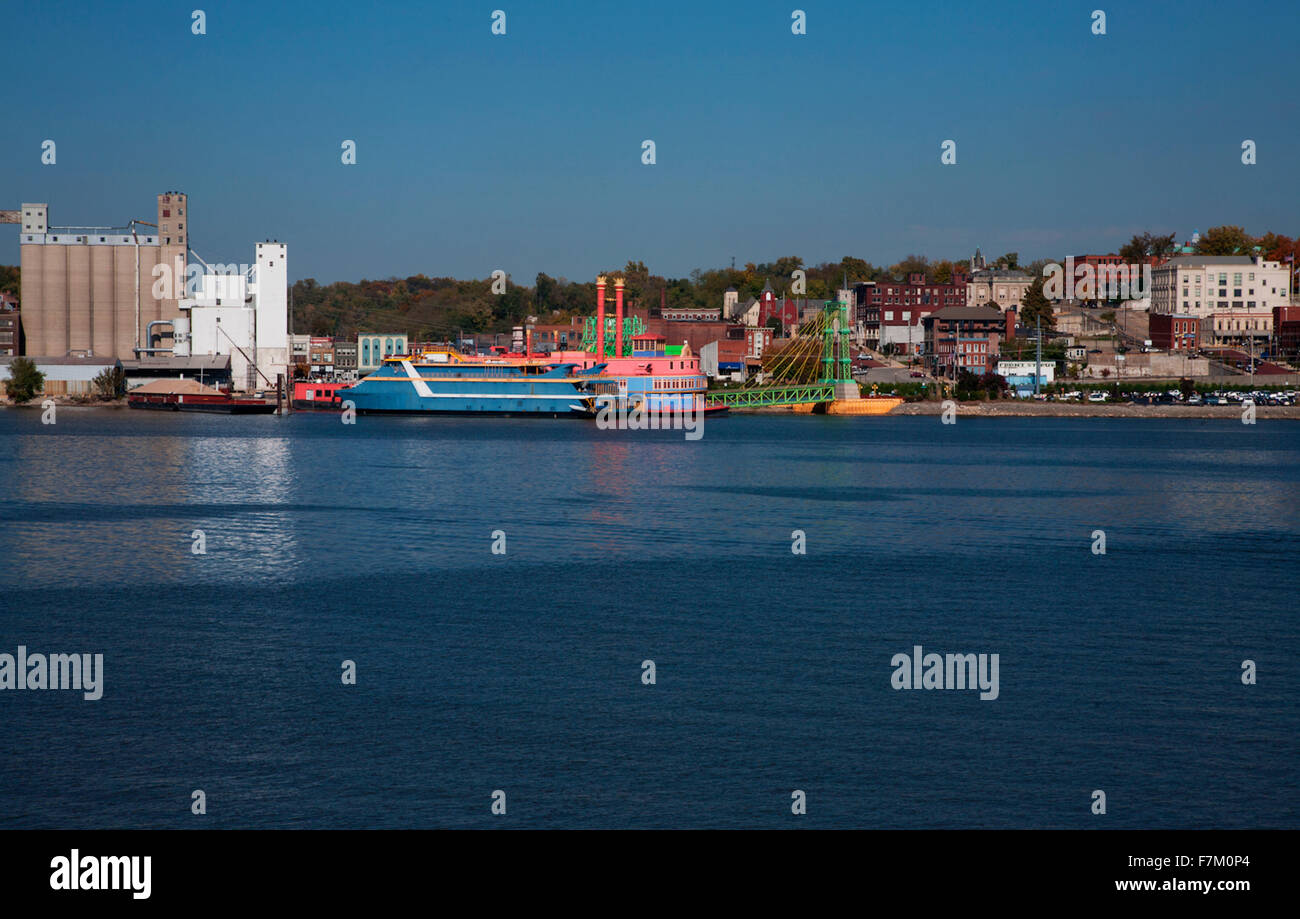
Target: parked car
x=1098, y=396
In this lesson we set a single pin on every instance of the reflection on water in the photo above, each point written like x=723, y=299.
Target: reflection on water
x=106, y=496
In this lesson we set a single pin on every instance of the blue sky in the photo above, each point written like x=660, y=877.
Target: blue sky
x=523, y=151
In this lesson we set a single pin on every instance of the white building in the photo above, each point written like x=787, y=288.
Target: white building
x=1023, y=372
x=243, y=315
x=1199, y=285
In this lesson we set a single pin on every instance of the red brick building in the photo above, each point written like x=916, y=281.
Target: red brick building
x=1180, y=332
x=966, y=338
x=891, y=312
x=1286, y=328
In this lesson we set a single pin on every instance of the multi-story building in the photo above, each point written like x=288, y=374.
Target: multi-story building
x=240, y=314
x=997, y=289
x=1174, y=332
x=373, y=347
x=965, y=338
x=345, y=360
x=11, y=327
x=1286, y=329
x=95, y=290
x=320, y=355
x=1199, y=285
x=299, y=349
x=1251, y=329
x=890, y=312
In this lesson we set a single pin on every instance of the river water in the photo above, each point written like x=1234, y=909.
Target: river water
x=522, y=670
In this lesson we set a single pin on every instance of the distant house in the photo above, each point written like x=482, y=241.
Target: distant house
x=747, y=313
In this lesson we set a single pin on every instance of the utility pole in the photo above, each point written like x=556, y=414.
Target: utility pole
x=1038, y=364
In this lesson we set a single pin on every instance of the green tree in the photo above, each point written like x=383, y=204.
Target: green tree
x=1142, y=245
x=913, y=264
x=941, y=271
x=1163, y=246
x=9, y=279
x=1035, y=307
x=545, y=291
x=25, y=381
x=968, y=385
x=110, y=383
x=856, y=269
x=1225, y=240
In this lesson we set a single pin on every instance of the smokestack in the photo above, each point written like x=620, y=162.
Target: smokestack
x=618, y=317
x=1011, y=323
x=600, y=318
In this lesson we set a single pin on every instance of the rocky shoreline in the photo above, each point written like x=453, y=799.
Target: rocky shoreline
x=1015, y=409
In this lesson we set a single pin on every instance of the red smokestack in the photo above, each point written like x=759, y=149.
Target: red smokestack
x=618, y=317
x=600, y=318
x=1011, y=323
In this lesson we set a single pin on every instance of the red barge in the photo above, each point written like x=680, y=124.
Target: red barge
x=193, y=396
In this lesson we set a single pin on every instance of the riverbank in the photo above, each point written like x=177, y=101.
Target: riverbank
x=1024, y=409
x=64, y=402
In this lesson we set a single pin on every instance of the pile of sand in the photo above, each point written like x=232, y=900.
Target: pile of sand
x=176, y=387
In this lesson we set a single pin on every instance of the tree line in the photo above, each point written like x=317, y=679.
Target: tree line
x=440, y=308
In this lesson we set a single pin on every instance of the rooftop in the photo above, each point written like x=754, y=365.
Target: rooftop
x=967, y=313
x=175, y=362
x=1194, y=261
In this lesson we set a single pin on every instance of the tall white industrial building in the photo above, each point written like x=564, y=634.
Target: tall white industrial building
x=242, y=315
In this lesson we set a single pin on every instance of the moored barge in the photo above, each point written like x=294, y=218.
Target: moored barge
x=192, y=396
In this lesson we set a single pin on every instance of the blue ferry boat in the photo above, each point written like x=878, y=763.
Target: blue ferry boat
x=445, y=382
